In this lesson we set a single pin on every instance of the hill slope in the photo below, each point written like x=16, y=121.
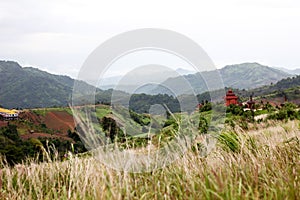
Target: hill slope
x=29, y=87
x=288, y=87
x=290, y=71
x=250, y=75
x=242, y=76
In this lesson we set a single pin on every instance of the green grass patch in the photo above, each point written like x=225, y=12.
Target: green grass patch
x=22, y=131
x=102, y=112
x=44, y=111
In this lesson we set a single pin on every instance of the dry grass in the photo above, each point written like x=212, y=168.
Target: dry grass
x=266, y=166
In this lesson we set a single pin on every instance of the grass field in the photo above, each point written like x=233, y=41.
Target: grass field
x=262, y=163
x=44, y=111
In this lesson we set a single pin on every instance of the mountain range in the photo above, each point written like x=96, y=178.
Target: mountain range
x=145, y=74
x=241, y=76
x=29, y=87
x=290, y=71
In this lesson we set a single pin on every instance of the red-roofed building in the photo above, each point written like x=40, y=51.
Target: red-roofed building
x=231, y=98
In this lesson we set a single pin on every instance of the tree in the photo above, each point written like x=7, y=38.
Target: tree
x=111, y=129
x=206, y=107
x=11, y=132
x=203, y=125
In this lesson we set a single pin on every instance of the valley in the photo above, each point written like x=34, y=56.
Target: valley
x=200, y=133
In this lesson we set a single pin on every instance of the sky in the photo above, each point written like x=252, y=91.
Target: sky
x=58, y=35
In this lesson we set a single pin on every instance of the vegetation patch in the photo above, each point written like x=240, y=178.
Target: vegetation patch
x=256, y=166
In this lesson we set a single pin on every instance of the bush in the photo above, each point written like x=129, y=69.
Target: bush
x=141, y=119
x=286, y=112
x=235, y=110
x=171, y=122
x=206, y=107
x=203, y=125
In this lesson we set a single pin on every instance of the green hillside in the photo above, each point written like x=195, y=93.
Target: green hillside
x=250, y=75
x=32, y=88
x=29, y=87
x=288, y=87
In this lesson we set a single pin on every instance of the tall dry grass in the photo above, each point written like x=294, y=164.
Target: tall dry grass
x=261, y=164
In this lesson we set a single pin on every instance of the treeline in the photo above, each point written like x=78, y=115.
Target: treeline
x=141, y=103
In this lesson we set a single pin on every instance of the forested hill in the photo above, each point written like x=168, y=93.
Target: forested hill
x=289, y=87
x=281, y=87
x=30, y=87
x=250, y=75
x=241, y=76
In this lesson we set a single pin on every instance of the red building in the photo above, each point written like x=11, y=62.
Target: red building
x=231, y=98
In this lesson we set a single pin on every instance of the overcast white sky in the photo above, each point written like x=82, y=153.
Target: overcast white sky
x=58, y=35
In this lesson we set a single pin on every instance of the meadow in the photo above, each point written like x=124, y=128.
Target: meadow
x=262, y=162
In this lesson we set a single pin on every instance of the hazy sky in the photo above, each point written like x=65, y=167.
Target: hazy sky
x=58, y=35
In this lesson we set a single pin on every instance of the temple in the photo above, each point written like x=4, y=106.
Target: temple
x=231, y=98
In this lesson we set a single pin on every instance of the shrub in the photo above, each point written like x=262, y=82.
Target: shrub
x=206, y=107
x=141, y=119
x=203, y=125
x=286, y=112
x=235, y=110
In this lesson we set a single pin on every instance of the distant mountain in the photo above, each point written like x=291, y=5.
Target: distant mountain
x=290, y=71
x=109, y=82
x=144, y=75
x=250, y=75
x=242, y=76
x=30, y=87
x=182, y=71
